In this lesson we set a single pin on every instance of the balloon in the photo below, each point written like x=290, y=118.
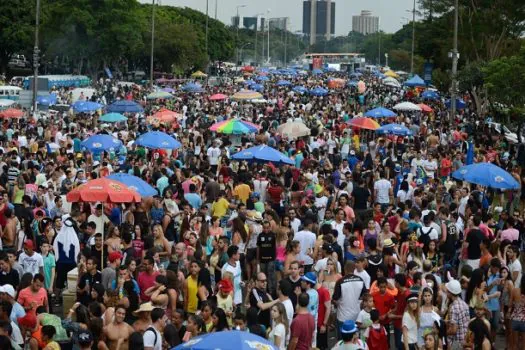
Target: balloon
x=361, y=87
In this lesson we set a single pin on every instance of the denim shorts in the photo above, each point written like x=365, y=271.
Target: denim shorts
x=279, y=265
x=518, y=326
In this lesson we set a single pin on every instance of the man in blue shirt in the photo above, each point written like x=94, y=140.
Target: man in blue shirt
x=193, y=198
x=494, y=287
x=308, y=282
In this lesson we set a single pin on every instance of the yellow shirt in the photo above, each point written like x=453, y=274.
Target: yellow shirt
x=193, y=288
x=355, y=140
x=242, y=192
x=220, y=207
x=227, y=305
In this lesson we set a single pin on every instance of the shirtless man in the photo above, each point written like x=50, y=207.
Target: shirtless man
x=9, y=231
x=117, y=333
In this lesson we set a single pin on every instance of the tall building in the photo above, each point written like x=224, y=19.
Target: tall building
x=247, y=22
x=365, y=23
x=318, y=19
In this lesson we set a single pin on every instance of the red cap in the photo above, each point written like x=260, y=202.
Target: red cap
x=28, y=321
x=225, y=285
x=29, y=244
x=113, y=256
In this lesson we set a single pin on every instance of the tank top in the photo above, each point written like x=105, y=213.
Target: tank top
x=518, y=312
x=38, y=336
x=192, y=294
x=377, y=338
x=280, y=252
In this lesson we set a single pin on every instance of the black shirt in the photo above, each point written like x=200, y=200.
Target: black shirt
x=11, y=278
x=266, y=247
x=474, y=238
x=256, y=296
x=87, y=279
x=360, y=195
x=293, y=296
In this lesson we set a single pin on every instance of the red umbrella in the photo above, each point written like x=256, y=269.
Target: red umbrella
x=12, y=113
x=164, y=116
x=425, y=108
x=218, y=97
x=249, y=69
x=103, y=190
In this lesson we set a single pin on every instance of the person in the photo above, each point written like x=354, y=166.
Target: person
x=266, y=254
x=31, y=261
x=233, y=266
x=48, y=332
x=35, y=295
x=5, y=313
x=308, y=283
x=85, y=340
x=472, y=243
x=303, y=325
x=262, y=300
x=457, y=315
x=87, y=280
x=109, y=273
x=153, y=334
x=8, y=275
x=117, y=333
x=410, y=322
x=191, y=288
x=479, y=336
x=279, y=333
x=376, y=334
x=397, y=313
x=306, y=239
x=146, y=279
x=347, y=293
x=517, y=314
x=8, y=293
x=350, y=337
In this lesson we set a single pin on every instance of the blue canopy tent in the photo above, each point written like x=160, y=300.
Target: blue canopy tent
x=415, y=81
x=193, y=87
x=488, y=175
x=124, y=106
x=157, y=140
x=86, y=106
x=380, y=112
x=394, y=129
x=135, y=183
x=319, y=91
x=429, y=95
x=460, y=104
x=263, y=154
x=100, y=143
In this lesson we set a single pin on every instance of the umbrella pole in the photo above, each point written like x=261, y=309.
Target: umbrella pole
x=103, y=234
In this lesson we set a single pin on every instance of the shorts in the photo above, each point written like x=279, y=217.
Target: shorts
x=279, y=265
x=251, y=254
x=518, y=326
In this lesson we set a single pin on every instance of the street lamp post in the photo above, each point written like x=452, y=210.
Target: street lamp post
x=36, y=58
x=256, y=31
x=455, y=57
x=268, y=24
x=238, y=25
x=152, y=43
x=413, y=37
x=207, y=31
x=386, y=60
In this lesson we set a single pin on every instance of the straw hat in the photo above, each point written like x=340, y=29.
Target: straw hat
x=146, y=307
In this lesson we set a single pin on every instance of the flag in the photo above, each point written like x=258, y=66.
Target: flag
x=470, y=153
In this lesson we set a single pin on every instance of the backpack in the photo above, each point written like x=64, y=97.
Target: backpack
x=424, y=237
x=154, y=332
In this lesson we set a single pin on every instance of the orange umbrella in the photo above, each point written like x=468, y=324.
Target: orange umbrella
x=163, y=116
x=12, y=113
x=103, y=190
x=425, y=108
x=364, y=123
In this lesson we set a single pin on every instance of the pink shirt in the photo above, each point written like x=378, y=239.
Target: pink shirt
x=146, y=281
x=511, y=234
x=27, y=296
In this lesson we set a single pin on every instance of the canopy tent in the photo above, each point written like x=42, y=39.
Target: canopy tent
x=429, y=95
x=135, y=183
x=246, y=95
x=364, y=123
x=112, y=118
x=86, y=107
x=394, y=129
x=235, y=126
x=159, y=95
x=100, y=143
x=415, y=81
x=193, y=88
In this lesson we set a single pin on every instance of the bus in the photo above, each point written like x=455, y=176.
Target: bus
x=10, y=92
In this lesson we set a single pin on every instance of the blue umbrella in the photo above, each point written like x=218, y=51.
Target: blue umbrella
x=47, y=100
x=380, y=112
x=86, y=106
x=249, y=82
x=100, y=143
x=415, y=81
x=157, y=140
x=283, y=83
x=124, y=106
x=430, y=95
x=257, y=87
x=135, y=183
x=317, y=71
x=227, y=340
x=113, y=118
x=486, y=174
x=193, y=87
x=356, y=75
x=262, y=78
x=263, y=154
x=352, y=83
x=460, y=104
x=394, y=129
x=319, y=91
x=300, y=89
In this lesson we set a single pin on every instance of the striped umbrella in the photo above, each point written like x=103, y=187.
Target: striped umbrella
x=364, y=123
x=234, y=126
x=246, y=95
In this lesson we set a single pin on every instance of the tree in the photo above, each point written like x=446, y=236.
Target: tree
x=16, y=28
x=471, y=81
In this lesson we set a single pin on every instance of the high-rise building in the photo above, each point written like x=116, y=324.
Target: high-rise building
x=365, y=23
x=318, y=19
x=247, y=22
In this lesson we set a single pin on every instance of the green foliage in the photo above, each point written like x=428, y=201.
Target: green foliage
x=16, y=28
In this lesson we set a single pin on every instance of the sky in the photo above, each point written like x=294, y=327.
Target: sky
x=392, y=13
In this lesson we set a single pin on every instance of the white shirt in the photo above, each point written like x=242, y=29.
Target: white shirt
x=213, y=154
x=237, y=273
x=295, y=223
x=411, y=325
x=99, y=221
x=415, y=164
x=31, y=264
x=280, y=332
x=340, y=235
x=382, y=187
x=513, y=267
x=430, y=167
x=149, y=339
x=365, y=276
x=307, y=241
x=260, y=186
x=320, y=204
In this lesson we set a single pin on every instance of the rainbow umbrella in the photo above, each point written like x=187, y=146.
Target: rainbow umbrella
x=364, y=123
x=246, y=95
x=234, y=126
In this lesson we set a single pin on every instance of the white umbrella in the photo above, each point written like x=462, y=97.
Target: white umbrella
x=258, y=100
x=407, y=106
x=6, y=103
x=293, y=130
x=389, y=81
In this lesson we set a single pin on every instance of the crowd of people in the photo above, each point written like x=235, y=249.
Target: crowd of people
x=366, y=242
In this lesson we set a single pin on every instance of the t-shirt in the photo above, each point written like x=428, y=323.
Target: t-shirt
x=513, y=267
x=280, y=332
x=88, y=279
x=242, y=191
x=307, y=241
x=100, y=221
x=213, y=154
x=220, y=207
x=360, y=196
x=383, y=303
x=236, y=272
x=49, y=265
x=145, y=281
x=511, y=234
x=266, y=246
x=365, y=276
x=411, y=325
x=26, y=297
x=150, y=337
x=323, y=297
x=474, y=238
x=401, y=304
x=313, y=302
x=256, y=296
x=382, y=187
x=31, y=264
x=302, y=328
x=348, y=291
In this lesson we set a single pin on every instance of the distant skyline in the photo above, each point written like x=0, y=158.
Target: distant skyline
x=392, y=13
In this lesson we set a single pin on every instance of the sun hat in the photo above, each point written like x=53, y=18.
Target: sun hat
x=454, y=287
x=146, y=307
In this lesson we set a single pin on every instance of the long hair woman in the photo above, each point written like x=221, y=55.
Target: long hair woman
x=280, y=328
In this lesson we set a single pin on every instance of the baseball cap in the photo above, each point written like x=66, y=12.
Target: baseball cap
x=348, y=327
x=352, y=152
x=113, y=256
x=454, y=287
x=29, y=244
x=96, y=163
x=85, y=338
x=397, y=168
x=225, y=285
x=309, y=277
x=8, y=289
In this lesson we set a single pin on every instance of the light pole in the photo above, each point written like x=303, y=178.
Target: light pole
x=413, y=37
x=268, y=24
x=216, y=5
x=35, y=58
x=207, y=31
x=238, y=25
x=256, y=31
x=152, y=43
x=379, y=44
x=386, y=60
x=455, y=57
